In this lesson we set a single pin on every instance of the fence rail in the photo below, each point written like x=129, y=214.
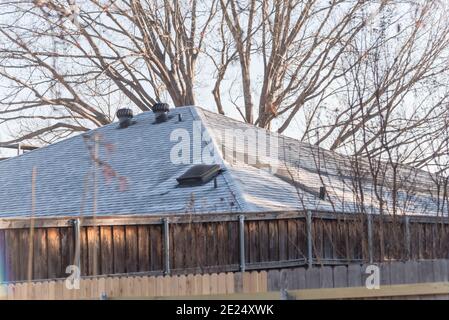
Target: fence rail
x=176, y=244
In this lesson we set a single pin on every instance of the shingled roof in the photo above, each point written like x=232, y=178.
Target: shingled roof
x=133, y=173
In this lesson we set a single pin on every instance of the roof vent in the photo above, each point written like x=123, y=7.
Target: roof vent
x=124, y=117
x=161, y=112
x=322, y=193
x=199, y=174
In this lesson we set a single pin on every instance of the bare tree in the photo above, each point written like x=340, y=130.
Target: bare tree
x=367, y=78
x=71, y=64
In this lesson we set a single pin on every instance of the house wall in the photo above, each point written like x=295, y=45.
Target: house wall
x=212, y=243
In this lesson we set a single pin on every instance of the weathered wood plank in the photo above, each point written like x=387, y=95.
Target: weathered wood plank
x=222, y=240
x=84, y=254
x=201, y=249
x=233, y=243
x=284, y=279
x=317, y=232
x=264, y=240
x=397, y=272
x=140, y=219
x=302, y=238
x=355, y=275
x=283, y=240
x=11, y=249
x=274, y=280
x=292, y=244
x=107, y=254
x=118, y=239
x=93, y=251
x=40, y=269
x=385, y=274
x=143, y=238
x=440, y=267
x=247, y=243
x=156, y=247
x=2, y=257
x=54, y=258
x=328, y=239
x=178, y=246
x=23, y=254
x=313, y=278
x=426, y=271
x=274, y=240
x=67, y=249
x=238, y=282
x=340, y=276
x=131, y=250
x=411, y=272
x=190, y=247
x=254, y=254
x=326, y=277
x=172, y=234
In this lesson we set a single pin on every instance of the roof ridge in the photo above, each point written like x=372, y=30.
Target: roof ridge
x=234, y=186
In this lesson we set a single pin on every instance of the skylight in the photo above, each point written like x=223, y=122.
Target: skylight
x=199, y=175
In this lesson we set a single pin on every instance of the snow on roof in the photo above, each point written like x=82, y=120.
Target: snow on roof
x=111, y=171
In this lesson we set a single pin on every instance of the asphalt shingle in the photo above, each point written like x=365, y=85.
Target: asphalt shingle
x=137, y=175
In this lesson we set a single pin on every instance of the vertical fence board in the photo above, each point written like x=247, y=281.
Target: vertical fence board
x=222, y=240
x=23, y=254
x=84, y=254
x=190, y=247
x=107, y=254
x=254, y=254
x=54, y=253
x=178, y=247
x=200, y=250
x=283, y=240
x=67, y=248
x=340, y=276
x=292, y=245
x=156, y=247
x=247, y=244
x=118, y=240
x=354, y=275
x=264, y=240
x=233, y=247
x=274, y=240
x=40, y=269
x=328, y=241
x=11, y=249
x=317, y=232
x=143, y=245
x=131, y=252
x=312, y=278
x=93, y=250
x=2, y=258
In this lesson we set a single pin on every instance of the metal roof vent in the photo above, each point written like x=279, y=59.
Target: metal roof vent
x=199, y=174
x=161, y=112
x=322, y=193
x=124, y=116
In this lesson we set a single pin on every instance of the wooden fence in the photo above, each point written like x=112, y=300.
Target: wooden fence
x=184, y=244
x=251, y=282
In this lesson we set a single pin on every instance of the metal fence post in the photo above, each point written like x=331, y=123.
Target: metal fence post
x=407, y=237
x=370, y=238
x=166, y=247
x=242, y=242
x=77, y=243
x=309, y=239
